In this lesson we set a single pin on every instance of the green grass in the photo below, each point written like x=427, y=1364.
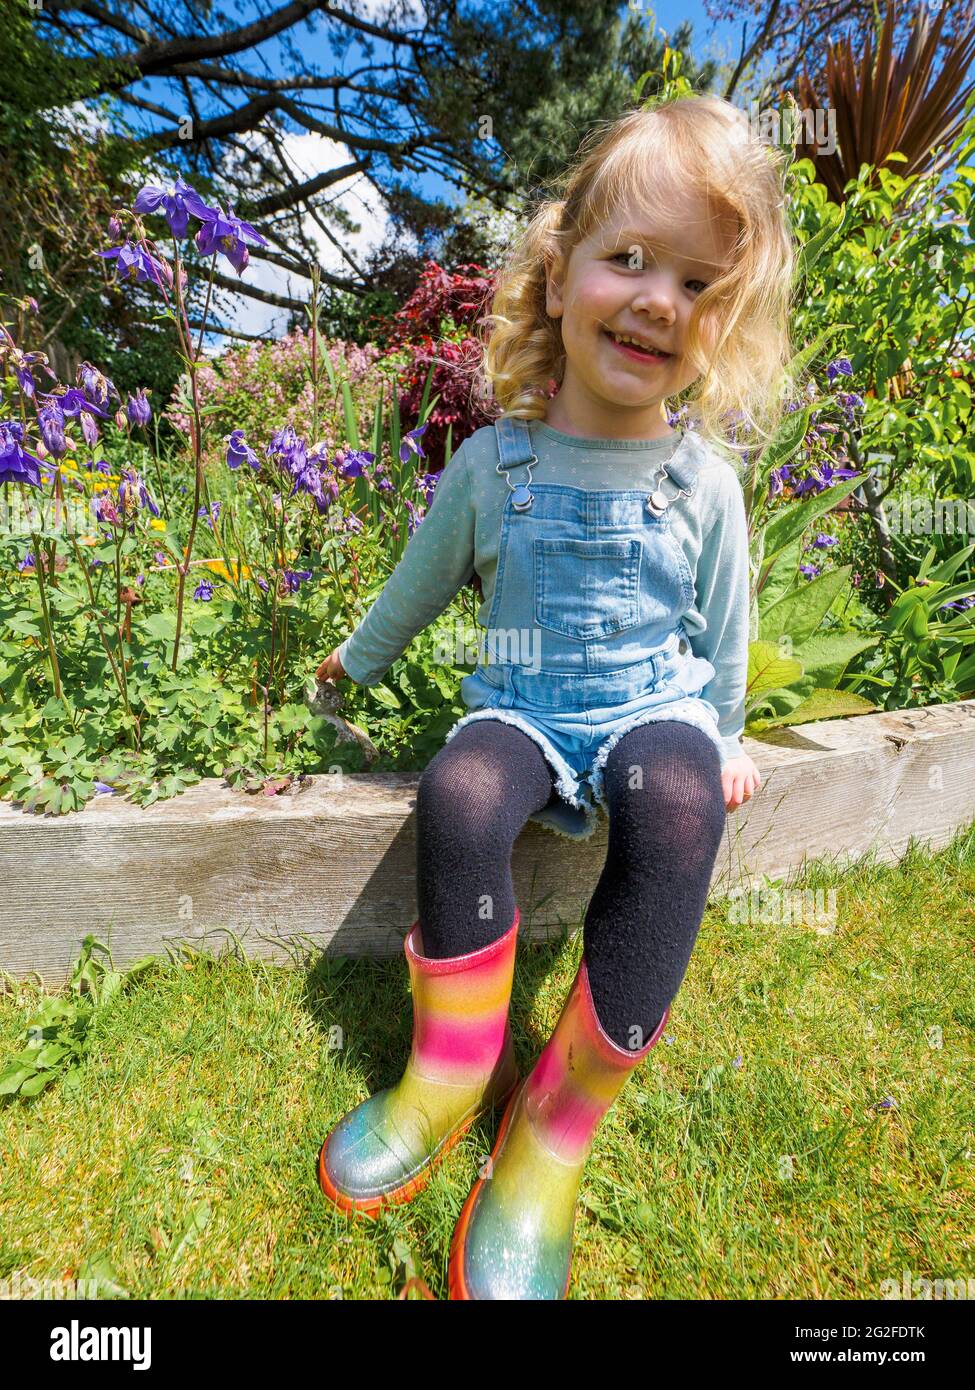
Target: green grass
x=210, y=1085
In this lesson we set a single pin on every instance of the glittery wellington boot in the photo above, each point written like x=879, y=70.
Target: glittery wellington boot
x=461, y=1064
x=513, y=1239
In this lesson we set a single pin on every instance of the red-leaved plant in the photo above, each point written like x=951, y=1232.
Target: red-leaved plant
x=438, y=323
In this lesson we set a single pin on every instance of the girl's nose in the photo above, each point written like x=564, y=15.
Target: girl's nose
x=654, y=296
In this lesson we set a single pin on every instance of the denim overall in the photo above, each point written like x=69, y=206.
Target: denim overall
x=585, y=638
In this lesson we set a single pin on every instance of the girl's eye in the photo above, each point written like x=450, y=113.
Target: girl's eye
x=633, y=263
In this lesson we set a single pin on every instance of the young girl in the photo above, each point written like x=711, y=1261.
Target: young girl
x=613, y=557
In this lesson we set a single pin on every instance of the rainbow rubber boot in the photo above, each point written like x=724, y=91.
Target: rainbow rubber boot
x=513, y=1239
x=461, y=1064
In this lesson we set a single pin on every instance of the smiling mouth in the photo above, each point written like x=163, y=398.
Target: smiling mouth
x=634, y=350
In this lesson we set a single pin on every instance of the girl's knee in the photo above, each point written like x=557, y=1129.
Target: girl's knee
x=674, y=766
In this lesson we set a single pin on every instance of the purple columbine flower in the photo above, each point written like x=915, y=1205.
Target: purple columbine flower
x=203, y=591
x=414, y=517
x=96, y=386
x=410, y=445
x=428, y=483
x=177, y=202
x=138, y=409
x=824, y=476
x=27, y=562
x=22, y=371
x=239, y=451
x=841, y=367
x=16, y=465
x=133, y=493
x=779, y=478
x=293, y=578
x=212, y=515
x=74, y=403
x=105, y=509
x=222, y=231
x=810, y=571
x=851, y=403
x=50, y=422
x=822, y=541
x=134, y=263
x=309, y=480
x=288, y=450
x=115, y=228
x=354, y=462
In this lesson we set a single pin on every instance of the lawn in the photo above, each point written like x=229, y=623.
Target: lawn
x=804, y=1129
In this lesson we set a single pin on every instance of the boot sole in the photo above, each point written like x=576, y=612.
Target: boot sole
x=456, y=1284
x=373, y=1206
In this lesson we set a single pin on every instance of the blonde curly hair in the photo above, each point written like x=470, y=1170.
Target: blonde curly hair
x=702, y=143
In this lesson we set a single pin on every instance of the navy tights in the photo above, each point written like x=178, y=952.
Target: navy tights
x=666, y=818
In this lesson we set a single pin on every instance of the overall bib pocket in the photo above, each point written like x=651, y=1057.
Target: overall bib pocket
x=587, y=589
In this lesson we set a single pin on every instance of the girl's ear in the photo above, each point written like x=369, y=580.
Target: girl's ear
x=553, y=288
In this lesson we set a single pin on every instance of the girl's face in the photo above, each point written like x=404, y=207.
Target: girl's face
x=639, y=280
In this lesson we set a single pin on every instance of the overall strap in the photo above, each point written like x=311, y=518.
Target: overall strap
x=684, y=464
x=514, y=450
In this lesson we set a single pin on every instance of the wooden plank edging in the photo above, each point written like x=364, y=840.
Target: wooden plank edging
x=334, y=866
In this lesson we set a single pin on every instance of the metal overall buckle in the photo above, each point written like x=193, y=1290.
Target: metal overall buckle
x=521, y=498
x=658, y=501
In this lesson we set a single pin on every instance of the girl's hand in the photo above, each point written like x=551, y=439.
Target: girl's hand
x=331, y=668
x=739, y=778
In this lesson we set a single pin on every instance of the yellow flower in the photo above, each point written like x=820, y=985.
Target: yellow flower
x=220, y=568
x=157, y=524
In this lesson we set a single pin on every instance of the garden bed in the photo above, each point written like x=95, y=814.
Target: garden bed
x=333, y=866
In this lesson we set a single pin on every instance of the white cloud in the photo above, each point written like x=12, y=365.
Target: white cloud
x=309, y=154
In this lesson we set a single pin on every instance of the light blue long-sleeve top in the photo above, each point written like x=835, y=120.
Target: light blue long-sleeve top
x=460, y=534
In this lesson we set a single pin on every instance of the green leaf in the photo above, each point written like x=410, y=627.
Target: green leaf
x=351, y=425
x=822, y=704
x=426, y=392
x=768, y=669
x=27, y=627
x=162, y=625
x=36, y=1084
x=786, y=440
x=817, y=244
x=781, y=573
x=12, y=1077
x=385, y=696
x=801, y=612
x=793, y=520
x=192, y=1229
x=826, y=655
x=101, y=1272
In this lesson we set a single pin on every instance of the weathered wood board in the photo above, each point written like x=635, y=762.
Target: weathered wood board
x=334, y=866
